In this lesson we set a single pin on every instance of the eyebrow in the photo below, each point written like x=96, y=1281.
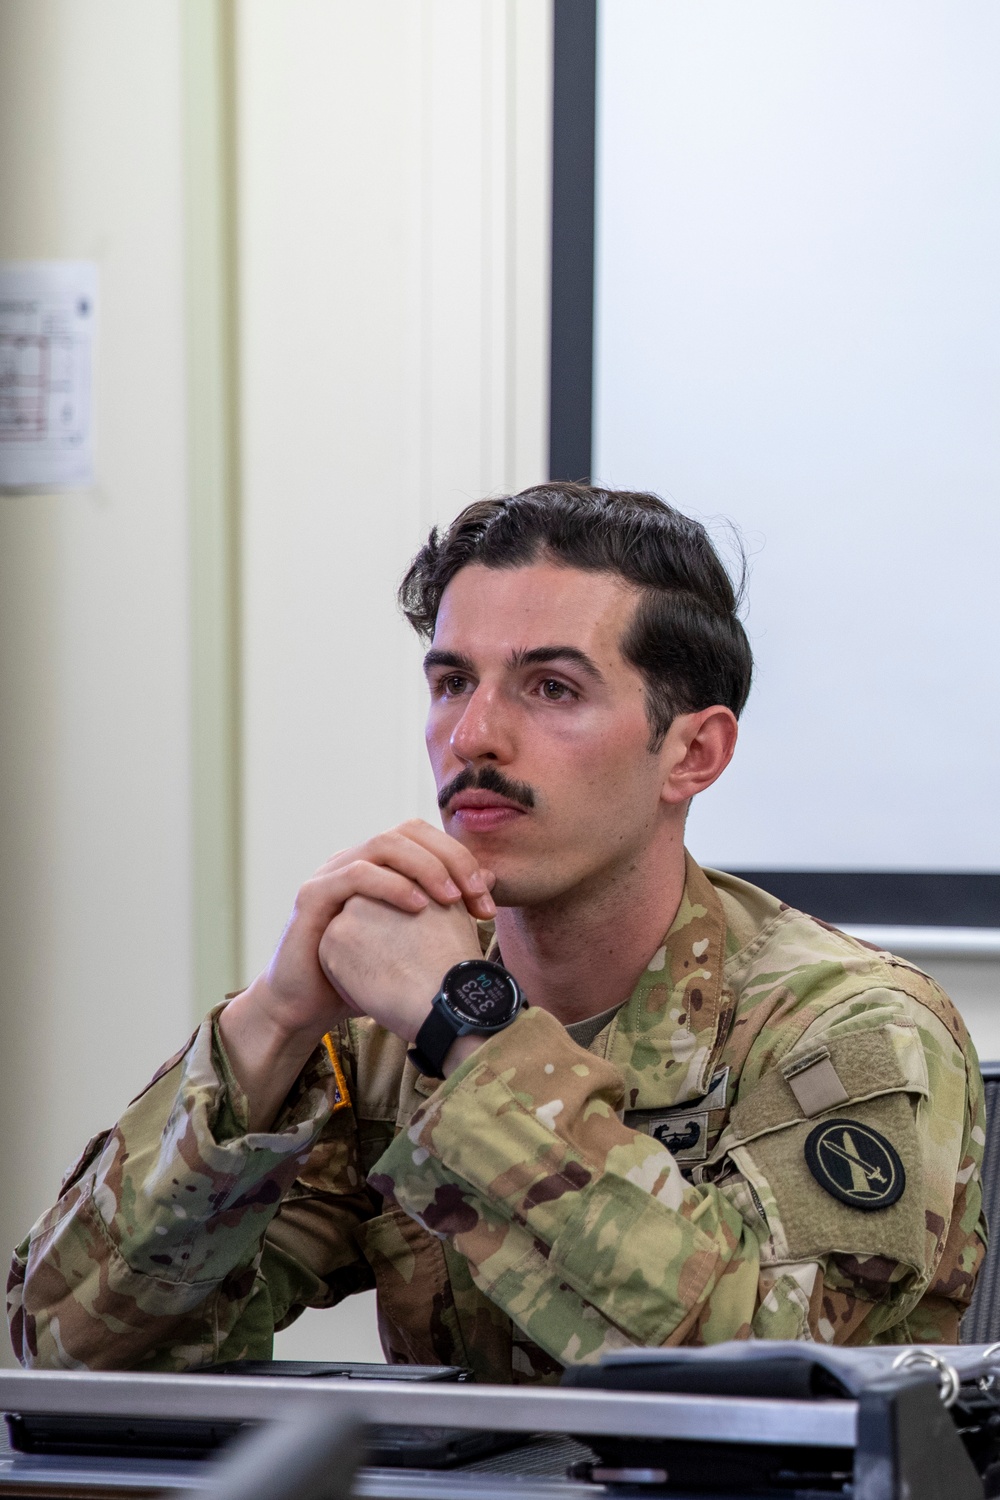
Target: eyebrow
x=435, y=658
x=535, y=657
x=540, y=655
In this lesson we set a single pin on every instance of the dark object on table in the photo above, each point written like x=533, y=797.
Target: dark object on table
x=334, y=1369
x=389, y=1446
x=908, y=1442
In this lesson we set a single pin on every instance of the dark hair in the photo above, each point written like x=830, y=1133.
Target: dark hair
x=685, y=637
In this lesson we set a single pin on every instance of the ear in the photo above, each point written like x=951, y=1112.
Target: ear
x=697, y=749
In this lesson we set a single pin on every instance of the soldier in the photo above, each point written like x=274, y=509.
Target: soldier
x=634, y=1102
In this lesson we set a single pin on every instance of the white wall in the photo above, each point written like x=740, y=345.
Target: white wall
x=799, y=329
x=394, y=252
x=95, y=951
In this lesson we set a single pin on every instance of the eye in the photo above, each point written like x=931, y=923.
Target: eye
x=453, y=685
x=555, y=691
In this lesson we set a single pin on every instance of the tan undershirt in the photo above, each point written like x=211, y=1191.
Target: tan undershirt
x=584, y=1032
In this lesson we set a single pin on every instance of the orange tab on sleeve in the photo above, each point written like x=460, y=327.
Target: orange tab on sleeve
x=343, y=1093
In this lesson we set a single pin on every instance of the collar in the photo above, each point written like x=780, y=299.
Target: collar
x=668, y=1035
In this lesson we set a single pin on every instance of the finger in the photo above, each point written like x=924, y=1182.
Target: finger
x=400, y=853
x=326, y=895
x=461, y=864
x=443, y=867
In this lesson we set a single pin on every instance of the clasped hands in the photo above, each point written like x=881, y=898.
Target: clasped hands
x=372, y=933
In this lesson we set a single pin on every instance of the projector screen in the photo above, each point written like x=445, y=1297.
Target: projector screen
x=796, y=284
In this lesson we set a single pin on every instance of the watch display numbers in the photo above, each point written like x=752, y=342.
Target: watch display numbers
x=481, y=994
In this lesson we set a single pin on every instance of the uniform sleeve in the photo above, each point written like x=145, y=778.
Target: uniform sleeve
x=590, y=1238
x=179, y=1239
x=582, y=1230
x=900, y=1273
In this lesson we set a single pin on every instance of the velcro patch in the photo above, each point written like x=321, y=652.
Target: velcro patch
x=807, y=1218
x=862, y=1065
x=815, y=1083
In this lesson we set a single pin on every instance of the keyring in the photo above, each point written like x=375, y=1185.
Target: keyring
x=949, y=1375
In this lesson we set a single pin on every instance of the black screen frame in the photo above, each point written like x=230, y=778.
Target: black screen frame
x=574, y=140
x=876, y=897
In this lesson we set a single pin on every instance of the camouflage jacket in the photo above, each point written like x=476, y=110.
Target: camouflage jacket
x=778, y=1135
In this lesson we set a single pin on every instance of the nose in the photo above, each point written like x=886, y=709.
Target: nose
x=484, y=732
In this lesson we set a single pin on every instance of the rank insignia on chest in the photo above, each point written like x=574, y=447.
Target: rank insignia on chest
x=854, y=1163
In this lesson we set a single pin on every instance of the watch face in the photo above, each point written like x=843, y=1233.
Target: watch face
x=481, y=993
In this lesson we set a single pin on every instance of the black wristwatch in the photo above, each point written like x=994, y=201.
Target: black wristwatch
x=476, y=997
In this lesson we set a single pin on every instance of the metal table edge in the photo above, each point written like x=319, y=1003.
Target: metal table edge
x=750, y=1419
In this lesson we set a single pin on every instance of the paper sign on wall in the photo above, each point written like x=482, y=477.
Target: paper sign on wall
x=48, y=313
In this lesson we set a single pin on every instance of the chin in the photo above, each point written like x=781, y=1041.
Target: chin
x=527, y=888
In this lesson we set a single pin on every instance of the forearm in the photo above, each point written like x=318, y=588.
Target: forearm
x=265, y=1055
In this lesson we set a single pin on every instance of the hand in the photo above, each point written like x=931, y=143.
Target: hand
x=389, y=964
x=272, y=1027
x=407, y=868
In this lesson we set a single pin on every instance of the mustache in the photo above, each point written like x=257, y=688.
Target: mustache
x=487, y=779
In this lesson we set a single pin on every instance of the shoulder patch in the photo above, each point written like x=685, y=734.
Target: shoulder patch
x=855, y=1164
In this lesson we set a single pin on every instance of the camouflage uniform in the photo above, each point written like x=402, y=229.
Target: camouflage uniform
x=527, y=1213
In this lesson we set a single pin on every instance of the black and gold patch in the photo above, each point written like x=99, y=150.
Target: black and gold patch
x=856, y=1164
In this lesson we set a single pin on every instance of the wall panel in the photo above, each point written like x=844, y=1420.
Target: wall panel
x=393, y=193
x=95, y=941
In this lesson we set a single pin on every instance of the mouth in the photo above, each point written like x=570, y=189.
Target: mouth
x=482, y=812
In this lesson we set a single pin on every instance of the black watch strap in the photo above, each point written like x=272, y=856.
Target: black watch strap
x=433, y=1042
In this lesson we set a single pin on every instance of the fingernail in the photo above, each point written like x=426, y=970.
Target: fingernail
x=476, y=882
x=419, y=898
x=451, y=890
x=486, y=906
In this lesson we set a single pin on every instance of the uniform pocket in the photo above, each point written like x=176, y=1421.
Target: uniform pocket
x=416, y=1305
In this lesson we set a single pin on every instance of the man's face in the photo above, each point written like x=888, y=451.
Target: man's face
x=542, y=723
